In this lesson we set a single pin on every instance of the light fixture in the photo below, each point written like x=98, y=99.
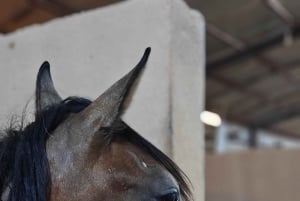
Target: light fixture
x=210, y=118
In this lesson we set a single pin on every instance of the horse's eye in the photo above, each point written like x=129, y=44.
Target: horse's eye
x=173, y=196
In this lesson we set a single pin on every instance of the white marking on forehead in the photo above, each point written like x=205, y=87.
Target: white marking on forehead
x=144, y=164
x=141, y=164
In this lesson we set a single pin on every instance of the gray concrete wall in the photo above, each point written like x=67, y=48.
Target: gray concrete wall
x=90, y=51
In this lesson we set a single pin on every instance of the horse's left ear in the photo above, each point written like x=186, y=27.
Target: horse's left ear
x=45, y=93
x=110, y=105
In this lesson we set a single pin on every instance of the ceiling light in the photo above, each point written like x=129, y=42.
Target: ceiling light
x=210, y=118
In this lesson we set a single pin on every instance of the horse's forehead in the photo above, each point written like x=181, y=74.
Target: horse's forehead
x=126, y=156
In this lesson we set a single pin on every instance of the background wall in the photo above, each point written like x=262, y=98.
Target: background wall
x=90, y=51
x=253, y=176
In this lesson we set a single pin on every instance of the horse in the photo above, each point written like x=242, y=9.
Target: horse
x=81, y=150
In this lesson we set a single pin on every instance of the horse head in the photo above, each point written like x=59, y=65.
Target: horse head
x=93, y=155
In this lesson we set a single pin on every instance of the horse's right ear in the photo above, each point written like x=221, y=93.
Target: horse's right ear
x=45, y=93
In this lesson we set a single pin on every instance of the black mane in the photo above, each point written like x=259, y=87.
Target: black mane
x=24, y=165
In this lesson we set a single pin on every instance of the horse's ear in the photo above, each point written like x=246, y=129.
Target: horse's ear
x=110, y=105
x=45, y=93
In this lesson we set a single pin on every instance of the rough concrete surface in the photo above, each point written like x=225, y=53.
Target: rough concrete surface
x=91, y=50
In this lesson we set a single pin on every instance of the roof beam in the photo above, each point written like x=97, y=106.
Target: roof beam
x=278, y=105
x=268, y=120
x=238, y=45
x=240, y=88
x=248, y=50
x=224, y=37
x=241, y=46
x=282, y=12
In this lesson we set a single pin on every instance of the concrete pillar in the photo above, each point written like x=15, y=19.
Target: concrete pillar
x=91, y=50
